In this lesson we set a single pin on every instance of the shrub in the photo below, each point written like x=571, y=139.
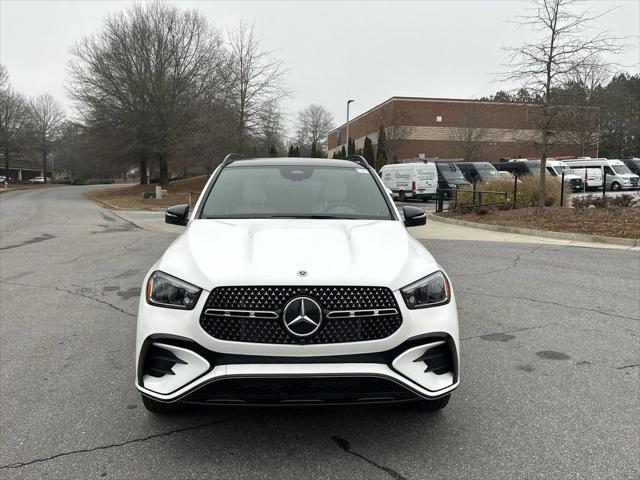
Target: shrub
x=527, y=193
x=598, y=201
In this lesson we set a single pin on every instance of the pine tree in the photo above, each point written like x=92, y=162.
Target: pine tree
x=296, y=151
x=343, y=152
x=273, y=152
x=381, y=154
x=314, y=151
x=291, y=151
x=352, y=147
x=367, y=151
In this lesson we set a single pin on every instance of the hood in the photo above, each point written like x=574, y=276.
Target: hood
x=458, y=181
x=213, y=253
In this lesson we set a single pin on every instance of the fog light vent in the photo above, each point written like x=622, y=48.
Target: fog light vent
x=160, y=362
x=437, y=359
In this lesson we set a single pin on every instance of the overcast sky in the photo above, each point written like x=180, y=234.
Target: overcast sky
x=333, y=50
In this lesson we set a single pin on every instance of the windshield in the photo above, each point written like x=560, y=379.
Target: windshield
x=450, y=172
x=486, y=171
x=620, y=169
x=295, y=191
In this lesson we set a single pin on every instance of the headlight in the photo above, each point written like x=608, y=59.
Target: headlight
x=163, y=290
x=429, y=291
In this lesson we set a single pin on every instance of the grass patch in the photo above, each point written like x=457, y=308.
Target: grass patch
x=130, y=196
x=609, y=222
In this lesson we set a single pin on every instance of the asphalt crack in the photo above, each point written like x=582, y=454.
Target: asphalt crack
x=346, y=446
x=513, y=265
x=126, y=442
x=628, y=366
x=545, y=302
x=103, y=302
x=71, y=292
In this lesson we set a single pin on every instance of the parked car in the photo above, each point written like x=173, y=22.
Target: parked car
x=39, y=179
x=478, y=171
x=556, y=168
x=633, y=164
x=450, y=178
x=618, y=175
x=411, y=180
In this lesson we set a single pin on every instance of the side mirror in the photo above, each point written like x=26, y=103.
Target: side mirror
x=414, y=216
x=177, y=215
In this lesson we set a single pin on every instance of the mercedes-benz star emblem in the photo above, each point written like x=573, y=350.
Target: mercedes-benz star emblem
x=302, y=317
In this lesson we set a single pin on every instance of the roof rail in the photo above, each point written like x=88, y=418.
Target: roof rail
x=230, y=158
x=360, y=160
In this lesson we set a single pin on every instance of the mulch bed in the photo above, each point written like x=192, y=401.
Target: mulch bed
x=610, y=222
x=130, y=196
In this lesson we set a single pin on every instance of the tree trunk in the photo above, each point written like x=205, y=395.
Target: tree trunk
x=44, y=165
x=543, y=169
x=143, y=169
x=164, y=170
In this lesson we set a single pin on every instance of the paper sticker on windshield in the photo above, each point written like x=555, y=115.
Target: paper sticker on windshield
x=361, y=170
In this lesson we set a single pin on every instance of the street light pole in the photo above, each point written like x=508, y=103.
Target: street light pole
x=348, y=102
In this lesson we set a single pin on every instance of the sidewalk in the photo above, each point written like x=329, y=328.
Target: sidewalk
x=444, y=231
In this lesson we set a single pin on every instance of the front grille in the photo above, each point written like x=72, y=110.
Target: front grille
x=244, y=321
x=634, y=181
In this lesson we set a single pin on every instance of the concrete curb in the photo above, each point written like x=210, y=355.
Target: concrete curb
x=124, y=209
x=576, y=237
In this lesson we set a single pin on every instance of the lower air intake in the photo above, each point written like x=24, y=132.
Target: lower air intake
x=324, y=390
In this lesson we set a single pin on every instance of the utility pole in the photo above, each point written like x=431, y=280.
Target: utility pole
x=347, y=142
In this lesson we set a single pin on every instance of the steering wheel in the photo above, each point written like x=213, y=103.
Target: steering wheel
x=333, y=207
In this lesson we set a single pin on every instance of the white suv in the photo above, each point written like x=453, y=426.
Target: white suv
x=296, y=282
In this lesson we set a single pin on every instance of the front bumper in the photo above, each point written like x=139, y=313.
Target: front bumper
x=208, y=370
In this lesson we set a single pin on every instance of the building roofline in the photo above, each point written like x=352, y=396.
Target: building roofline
x=396, y=98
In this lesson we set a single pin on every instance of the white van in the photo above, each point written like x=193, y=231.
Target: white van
x=556, y=168
x=618, y=175
x=411, y=180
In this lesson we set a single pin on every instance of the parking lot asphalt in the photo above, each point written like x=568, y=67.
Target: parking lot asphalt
x=549, y=384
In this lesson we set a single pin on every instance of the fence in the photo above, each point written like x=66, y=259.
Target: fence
x=480, y=198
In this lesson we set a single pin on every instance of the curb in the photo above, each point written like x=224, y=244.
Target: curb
x=123, y=209
x=576, y=237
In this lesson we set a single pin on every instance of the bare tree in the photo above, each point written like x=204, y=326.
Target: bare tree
x=4, y=78
x=14, y=121
x=314, y=124
x=256, y=80
x=562, y=50
x=149, y=71
x=46, y=117
x=394, y=134
x=271, y=131
x=470, y=138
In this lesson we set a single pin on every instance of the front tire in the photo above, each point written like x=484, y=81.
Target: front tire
x=615, y=186
x=402, y=197
x=423, y=405
x=160, y=408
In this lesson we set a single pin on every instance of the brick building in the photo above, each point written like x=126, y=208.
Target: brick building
x=470, y=129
